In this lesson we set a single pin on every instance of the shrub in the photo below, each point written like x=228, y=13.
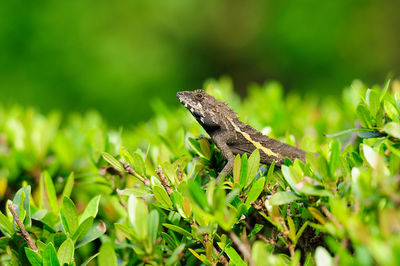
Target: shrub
x=139, y=198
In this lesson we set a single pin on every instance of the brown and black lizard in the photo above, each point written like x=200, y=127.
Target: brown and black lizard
x=231, y=135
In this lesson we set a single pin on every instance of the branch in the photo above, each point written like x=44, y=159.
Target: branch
x=180, y=176
x=221, y=257
x=130, y=171
x=164, y=180
x=243, y=248
x=25, y=234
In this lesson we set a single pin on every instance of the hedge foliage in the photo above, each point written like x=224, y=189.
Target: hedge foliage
x=89, y=194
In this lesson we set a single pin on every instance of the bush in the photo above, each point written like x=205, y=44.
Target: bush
x=135, y=196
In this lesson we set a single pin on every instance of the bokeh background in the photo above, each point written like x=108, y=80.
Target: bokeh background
x=116, y=56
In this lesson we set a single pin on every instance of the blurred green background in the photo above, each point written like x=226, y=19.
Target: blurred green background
x=116, y=56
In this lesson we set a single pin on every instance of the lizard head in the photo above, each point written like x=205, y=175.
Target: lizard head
x=207, y=110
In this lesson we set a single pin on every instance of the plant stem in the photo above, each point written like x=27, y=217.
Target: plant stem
x=25, y=234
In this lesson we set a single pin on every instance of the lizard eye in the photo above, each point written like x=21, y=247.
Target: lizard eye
x=199, y=96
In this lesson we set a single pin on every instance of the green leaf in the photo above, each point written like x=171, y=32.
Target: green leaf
x=198, y=195
x=178, y=229
x=152, y=225
x=172, y=260
x=69, y=184
x=370, y=134
x=95, y=232
x=177, y=200
x=86, y=262
x=364, y=116
x=22, y=200
x=255, y=191
x=51, y=192
x=107, y=256
x=391, y=110
x=162, y=196
x=236, y=169
x=243, y=170
x=19, y=202
x=114, y=162
x=205, y=147
x=138, y=164
x=83, y=229
x=125, y=230
x=69, y=216
x=334, y=157
x=137, y=212
x=393, y=129
x=65, y=253
x=270, y=171
x=169, y=240
x=233, y=255
x=310, y=189
x=385, y=89
x=50, y=256
x=91, y=209
x=283, y=197
x=373, y=102
x=137, y=192
x=292, y=229
x=257, y=228
x=254, y=165
x=125, y=155
x=371, y=156
x=196, y=146
x=6, y=225
x=348, y=131
x=288, y=175
x=34, y=257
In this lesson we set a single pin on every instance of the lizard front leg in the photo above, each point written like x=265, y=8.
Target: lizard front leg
x=220, y=141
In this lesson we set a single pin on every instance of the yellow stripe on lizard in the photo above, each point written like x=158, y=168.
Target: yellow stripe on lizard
x=256, y=144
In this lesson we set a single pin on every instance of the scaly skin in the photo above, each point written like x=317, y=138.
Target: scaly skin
x=232, y=136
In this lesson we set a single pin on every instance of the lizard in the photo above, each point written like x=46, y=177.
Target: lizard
x=231, y=135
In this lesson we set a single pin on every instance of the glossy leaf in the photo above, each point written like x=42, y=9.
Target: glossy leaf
x=255, y=191
x=243, y=170
x=334, y=157
x=34, y=257
x=177, y=229
x=236, y=169
x=95, y=232
x=393, y=129
x=49, y=256
x=283, y=197
x=51, y=192
x=5, y=225
x=69, y=216
x=152, y=225
x=22, y=200
x=107, y=256
x=91, y=209
x=138, y=213
x=65, y=253
x=364, y=116
x=162, y=196
x=253, y=166
x=69, y=184
x=138, y=163
x=83, y=229
x=114, y=162
x=391, y=110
